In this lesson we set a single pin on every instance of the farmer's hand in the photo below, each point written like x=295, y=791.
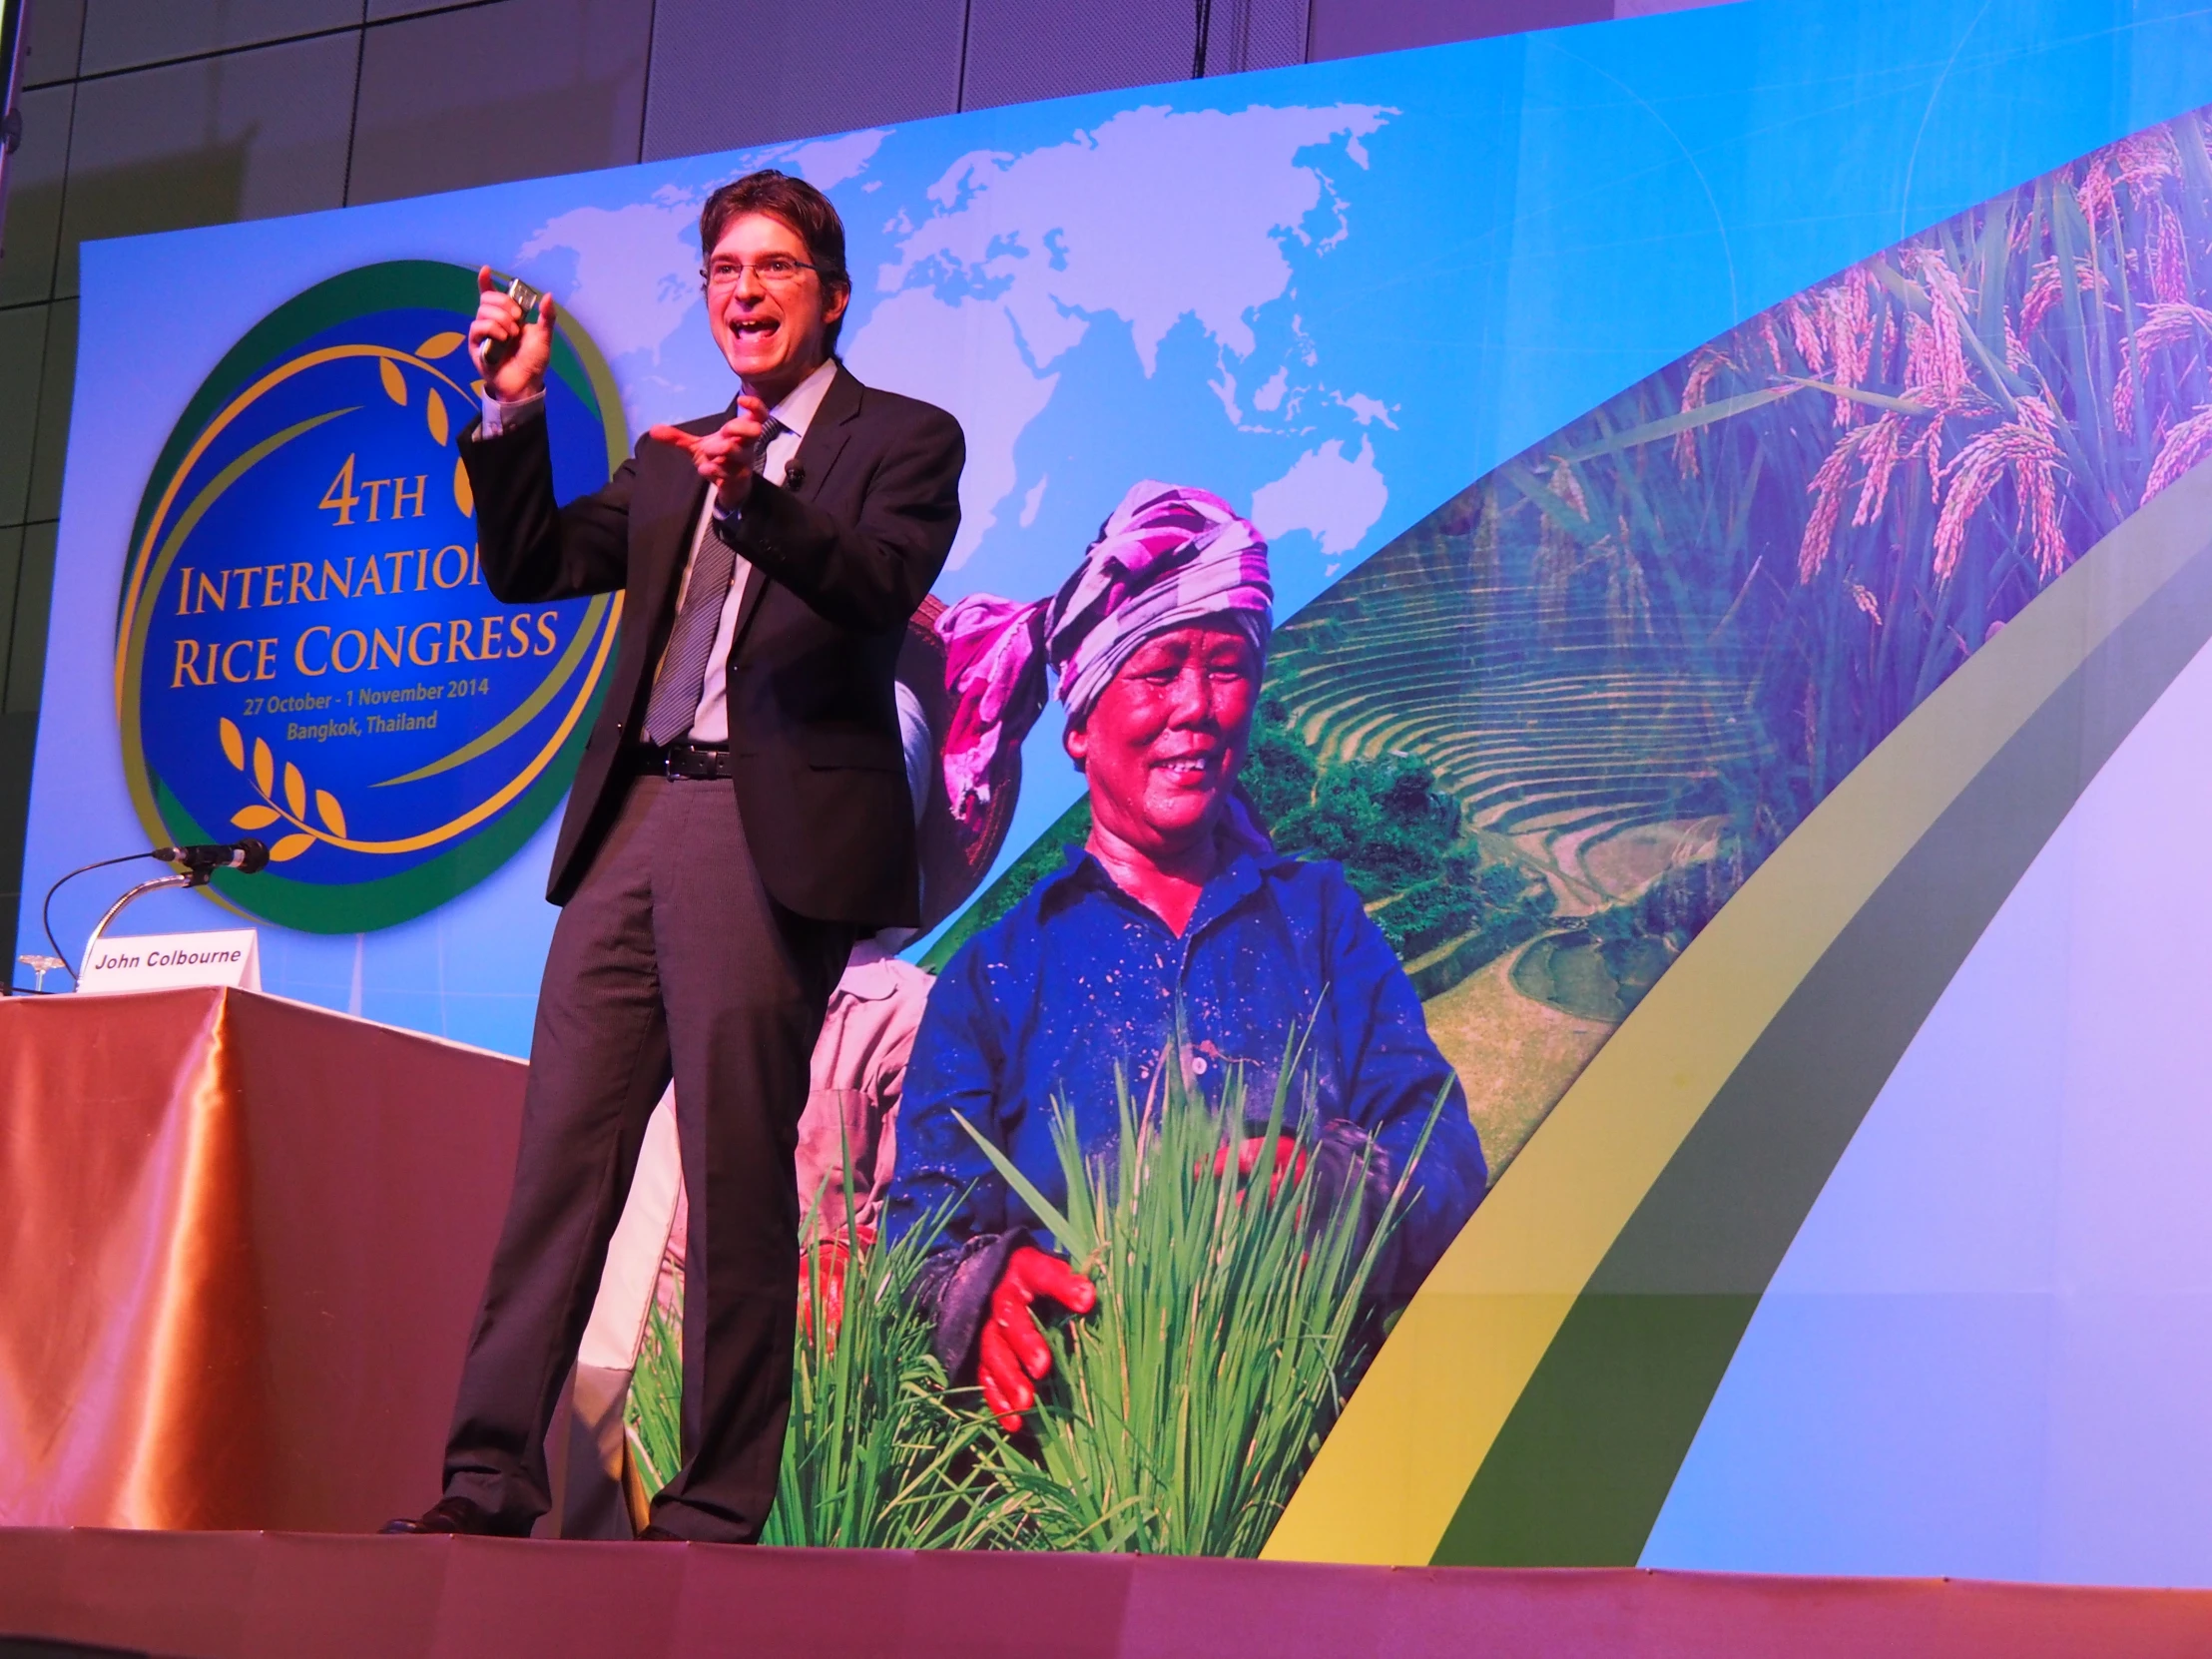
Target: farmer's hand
x=499, y=318
x=1289, y=1160
x=723, y=457
x=1013, y=1352
x=822, y=1269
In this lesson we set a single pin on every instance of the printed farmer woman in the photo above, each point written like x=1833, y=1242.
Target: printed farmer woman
x=1177, y=902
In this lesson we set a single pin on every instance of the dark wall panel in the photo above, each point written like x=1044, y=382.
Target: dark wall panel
x=31, y=584
x=18, y=731
x=50, y=442
x=11, y=565
x=18, y=739
x=243, y=135
x=515, y=90
x=1025, y=49
x=1254, y=33
x=22, y=352
x=1347, y=28
x=35, y=175
x=727, y=75
x=378, y=10
x=50, y=50
x=123, y=34
x=34, y=595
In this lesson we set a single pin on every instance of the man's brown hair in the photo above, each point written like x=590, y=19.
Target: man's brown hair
x=797, y=204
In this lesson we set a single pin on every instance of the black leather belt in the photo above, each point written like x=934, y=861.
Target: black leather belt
x=682, y=760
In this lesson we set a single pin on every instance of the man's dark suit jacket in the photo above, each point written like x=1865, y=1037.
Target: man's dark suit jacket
x=840, y=558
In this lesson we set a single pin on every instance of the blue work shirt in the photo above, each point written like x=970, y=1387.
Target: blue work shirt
x=1080, y=978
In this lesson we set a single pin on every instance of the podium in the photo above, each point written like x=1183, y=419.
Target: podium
x=242, y=1242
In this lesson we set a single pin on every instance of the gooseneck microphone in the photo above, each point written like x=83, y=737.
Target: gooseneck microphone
x=247, y=857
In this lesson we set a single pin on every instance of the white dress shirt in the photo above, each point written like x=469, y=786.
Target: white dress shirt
x=794, y=414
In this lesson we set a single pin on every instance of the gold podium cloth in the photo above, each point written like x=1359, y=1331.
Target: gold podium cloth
x=241, y=1244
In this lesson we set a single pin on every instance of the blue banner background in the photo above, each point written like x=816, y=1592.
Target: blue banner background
x=1337, y=292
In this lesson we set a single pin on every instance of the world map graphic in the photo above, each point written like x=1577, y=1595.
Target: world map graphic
x=1001, y=284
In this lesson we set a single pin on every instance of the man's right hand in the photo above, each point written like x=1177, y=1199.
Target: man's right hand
x=1013, y=1352
x=522, y=374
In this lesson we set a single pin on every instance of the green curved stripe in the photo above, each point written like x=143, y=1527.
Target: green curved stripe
x=240, y=466
x=189, y=518
x=1534, y=1403
x=526, y=711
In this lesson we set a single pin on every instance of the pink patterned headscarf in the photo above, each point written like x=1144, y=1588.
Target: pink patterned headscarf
x=1168, y=556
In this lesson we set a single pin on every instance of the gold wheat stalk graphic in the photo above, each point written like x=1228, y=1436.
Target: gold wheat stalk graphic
x=434, y=413
x=293, y=810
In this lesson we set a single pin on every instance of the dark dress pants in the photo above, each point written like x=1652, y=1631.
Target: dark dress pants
x=671, y=958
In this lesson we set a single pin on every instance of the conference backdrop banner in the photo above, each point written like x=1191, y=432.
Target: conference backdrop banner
x=1692, y=1056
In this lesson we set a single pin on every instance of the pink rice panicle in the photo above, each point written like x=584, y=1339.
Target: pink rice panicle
x=1826, y=490
x=2026, y=447
x=2094, y=194
x=1708, y=363
x=2187, y=444
x=1936, y=374
x=1880, y=453
x=2144, y=158
x=2140, y=162
x=1928, y=448
x=1994, y=445
x=1806, y=332
x=2044, y=289
x=2169, y=255
x=2163, y=325
x=1773, y=339
x=1568, y=488
x=1850, y=319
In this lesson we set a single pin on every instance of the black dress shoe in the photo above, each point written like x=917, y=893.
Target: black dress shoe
x=452, y=1514
x=661, y=1536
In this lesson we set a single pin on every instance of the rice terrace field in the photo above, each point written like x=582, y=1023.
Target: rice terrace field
x=1559, y=735
x=1573, y=748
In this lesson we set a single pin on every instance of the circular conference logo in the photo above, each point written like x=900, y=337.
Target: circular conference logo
x=306, y=651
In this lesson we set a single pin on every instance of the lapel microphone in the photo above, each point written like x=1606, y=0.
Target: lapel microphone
x=795, y=475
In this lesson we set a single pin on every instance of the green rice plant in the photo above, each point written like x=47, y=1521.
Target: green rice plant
x=880, y=1453
x=1181, y=1412
x=654, y=1416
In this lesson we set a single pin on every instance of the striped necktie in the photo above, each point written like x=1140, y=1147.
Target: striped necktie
x=683, y=675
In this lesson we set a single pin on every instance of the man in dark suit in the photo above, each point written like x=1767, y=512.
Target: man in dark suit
x=740, y=816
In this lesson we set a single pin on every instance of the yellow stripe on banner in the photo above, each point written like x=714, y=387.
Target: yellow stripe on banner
x=1391, y=1475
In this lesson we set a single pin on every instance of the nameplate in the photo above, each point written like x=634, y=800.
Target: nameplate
x=160, y=961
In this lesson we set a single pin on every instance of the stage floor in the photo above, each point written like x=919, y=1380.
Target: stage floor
x=231, y=1595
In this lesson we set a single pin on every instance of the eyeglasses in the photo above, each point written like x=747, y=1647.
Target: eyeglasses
x=775, y=271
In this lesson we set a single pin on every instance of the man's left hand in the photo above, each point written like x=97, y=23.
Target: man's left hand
x=723, y=457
